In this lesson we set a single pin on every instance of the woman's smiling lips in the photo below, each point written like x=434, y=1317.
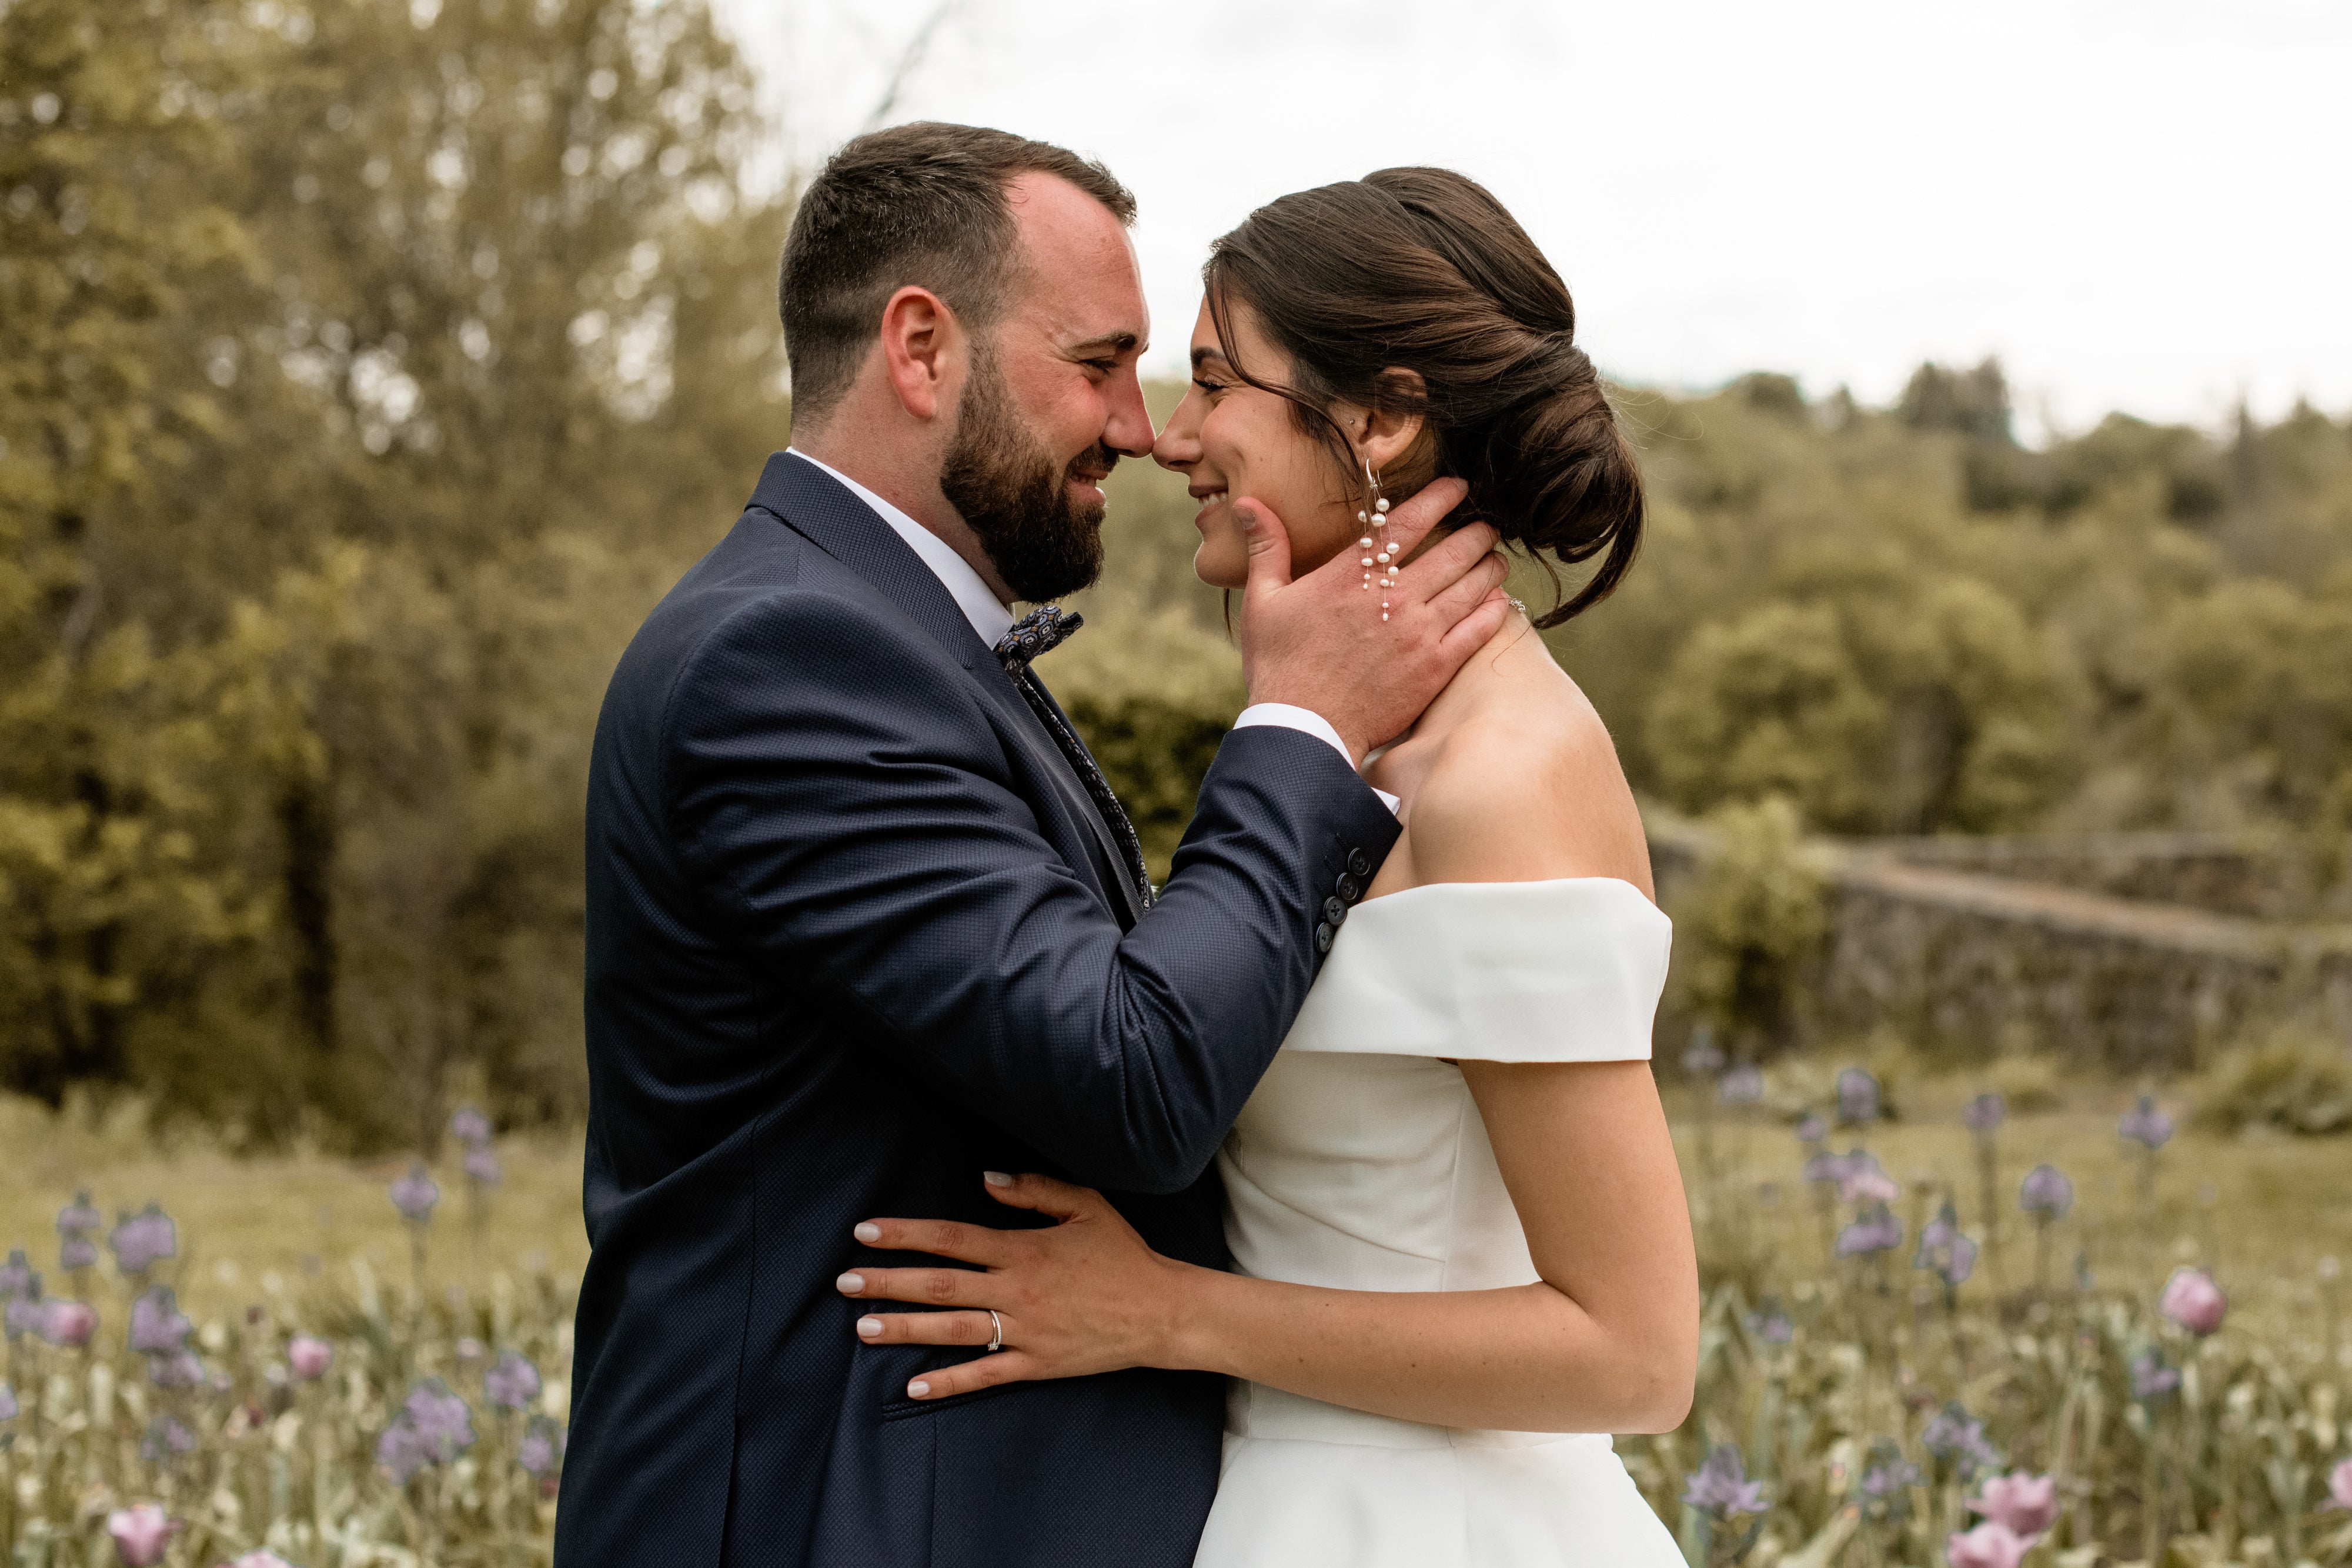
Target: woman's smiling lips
x=1208, y=499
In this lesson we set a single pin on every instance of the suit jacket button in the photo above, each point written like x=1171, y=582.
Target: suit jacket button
x=1323, y=934
x=1346, y=887
x=1334, y=911
x=1360, y=863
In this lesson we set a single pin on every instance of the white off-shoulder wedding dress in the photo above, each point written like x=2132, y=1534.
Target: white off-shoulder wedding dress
x=1362, y=1163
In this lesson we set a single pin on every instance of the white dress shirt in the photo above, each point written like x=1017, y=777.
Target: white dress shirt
x=993, y=618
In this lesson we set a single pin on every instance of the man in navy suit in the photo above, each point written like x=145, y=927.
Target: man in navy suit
x=864, y=921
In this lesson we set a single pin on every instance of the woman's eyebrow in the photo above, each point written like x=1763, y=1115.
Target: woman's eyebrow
x=1202, y=354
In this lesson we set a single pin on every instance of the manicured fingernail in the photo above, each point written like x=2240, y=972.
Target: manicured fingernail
x=996, y=1178
x=867, y=1231
x=850, y=1284
x=869, y=1327
x=917, y=1388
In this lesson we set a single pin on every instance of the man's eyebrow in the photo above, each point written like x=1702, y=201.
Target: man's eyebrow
x=1108, y=343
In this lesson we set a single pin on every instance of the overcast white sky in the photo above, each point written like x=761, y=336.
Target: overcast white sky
x=2144, y=205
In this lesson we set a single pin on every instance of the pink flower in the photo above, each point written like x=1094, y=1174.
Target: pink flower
x=1869, y=1187
x=68, y=1323
x=2340, y=1485
x=2025, y=1505
x=259, y=1558
x=140, y=1532
x=1991, y=1544
x=309, y=1356
x=2193, y=1301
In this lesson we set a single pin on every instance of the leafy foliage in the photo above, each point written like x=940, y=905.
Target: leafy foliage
x=2138, y=628
x=346, y=439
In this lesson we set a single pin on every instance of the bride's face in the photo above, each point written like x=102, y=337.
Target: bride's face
x=1231, y=441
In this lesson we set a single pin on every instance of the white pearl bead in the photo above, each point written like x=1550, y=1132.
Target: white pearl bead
x=1383, y=503
x=1368, y=559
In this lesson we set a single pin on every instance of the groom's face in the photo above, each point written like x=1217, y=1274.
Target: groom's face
x=1052, y=400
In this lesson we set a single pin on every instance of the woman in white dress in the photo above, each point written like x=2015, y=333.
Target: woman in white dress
x=1461, y=1253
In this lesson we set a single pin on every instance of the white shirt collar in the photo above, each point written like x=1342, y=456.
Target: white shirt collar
x=988, y=615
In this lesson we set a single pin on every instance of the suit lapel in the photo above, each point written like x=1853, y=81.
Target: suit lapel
x=812, y=504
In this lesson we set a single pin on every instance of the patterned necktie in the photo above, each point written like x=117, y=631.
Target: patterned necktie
x=1040, y=632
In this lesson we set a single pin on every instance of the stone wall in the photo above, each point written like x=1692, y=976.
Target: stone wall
x=2251, y=875
x=1961, y=959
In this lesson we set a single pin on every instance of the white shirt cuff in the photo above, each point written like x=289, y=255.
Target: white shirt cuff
x=1307, y=721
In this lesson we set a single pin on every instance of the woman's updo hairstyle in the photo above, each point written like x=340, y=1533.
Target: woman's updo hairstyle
x=1422, y=270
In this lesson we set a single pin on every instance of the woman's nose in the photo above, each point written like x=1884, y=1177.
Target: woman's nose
x=1178, y=446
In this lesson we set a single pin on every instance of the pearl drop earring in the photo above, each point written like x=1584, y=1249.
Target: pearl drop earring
x=1380, y=554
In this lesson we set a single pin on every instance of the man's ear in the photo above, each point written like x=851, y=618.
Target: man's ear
x=924, y=351
x=1387, y=431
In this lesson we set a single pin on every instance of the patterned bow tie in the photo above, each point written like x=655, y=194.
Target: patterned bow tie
x=1041, y=631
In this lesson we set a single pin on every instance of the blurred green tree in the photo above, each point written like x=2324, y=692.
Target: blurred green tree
x=500, y=344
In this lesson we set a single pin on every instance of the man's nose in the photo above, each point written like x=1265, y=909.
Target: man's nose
x=1128, y=430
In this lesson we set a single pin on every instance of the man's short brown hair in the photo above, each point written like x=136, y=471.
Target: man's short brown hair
x=920, y=205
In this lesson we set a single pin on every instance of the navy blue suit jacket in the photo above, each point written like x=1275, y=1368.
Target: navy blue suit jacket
x=854, y=934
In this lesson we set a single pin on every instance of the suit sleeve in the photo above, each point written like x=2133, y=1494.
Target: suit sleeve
x=833, y=785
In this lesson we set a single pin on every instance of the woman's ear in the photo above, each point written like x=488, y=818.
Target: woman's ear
x=1387, y=431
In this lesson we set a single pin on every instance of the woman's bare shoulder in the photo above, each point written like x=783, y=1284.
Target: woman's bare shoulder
x=1528, y=789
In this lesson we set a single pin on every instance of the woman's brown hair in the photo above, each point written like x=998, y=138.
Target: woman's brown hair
x=1422, y=270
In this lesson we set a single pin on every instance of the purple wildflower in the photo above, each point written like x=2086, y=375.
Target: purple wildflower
x=415, y=1194
x=1888, y=1476
x=482, y=1166
x=541, y=1448
x=1812, y=1128
x=165, y=1436
x=77, y=1252
x=1957, y=1438
x=80, y=1217
x=513, y=1384
x=442, y=1419
x=1830, y=1170
x=20, y=1317
x=1986, y=1113
x=157, y=1325
x=7, y=1402
x=145, y=1239
x=1771, y=1327
x=1858, y=1099
x=1876, y=1232
x=1721, y=1487
x=1866, y=1181
x=2045, y=1193
x=400, y=1451
x=2146, y=1125
x=1703, y=1056
x=432, y=1427
x=469, y=1126
x=180, y=1369
x=2150, y=1378
x=1945, y=1247
x=18, y=1282
x=1743, y=1085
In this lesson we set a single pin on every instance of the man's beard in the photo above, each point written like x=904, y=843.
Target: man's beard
x=1016, y=498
